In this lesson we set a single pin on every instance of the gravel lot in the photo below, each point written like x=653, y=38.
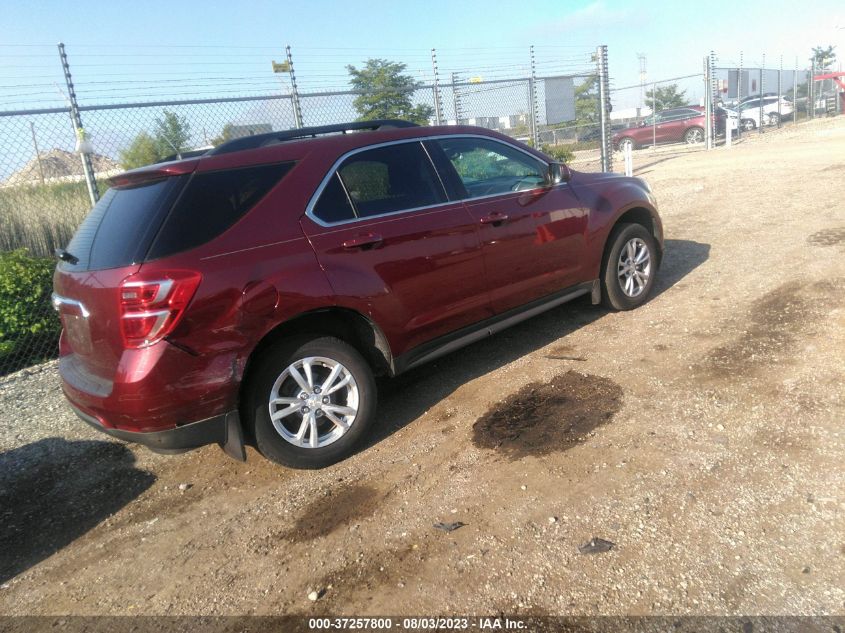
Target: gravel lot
x=701, y=434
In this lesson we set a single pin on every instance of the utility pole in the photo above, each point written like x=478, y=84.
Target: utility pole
x=83, y=146
x=37, y=153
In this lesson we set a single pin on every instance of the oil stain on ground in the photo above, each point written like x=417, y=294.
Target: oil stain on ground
x=828, y=237
x=775, y=321
x=542, y=418
x=337, y=508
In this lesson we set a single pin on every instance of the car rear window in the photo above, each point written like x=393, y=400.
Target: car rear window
x=118, y=230
x=211, y=203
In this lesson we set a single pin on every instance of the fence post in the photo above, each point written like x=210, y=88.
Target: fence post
x=762, y=66
x=79, y=131
x=708, y=105
x=780, y=88
x=532, y=101
x=653, y=115
x=795, y=92
x=438, y=112
x=456, y=99
x=604, y=109
x=739, y=99
x=714, y=97
x=294, y=93
x=811, y=91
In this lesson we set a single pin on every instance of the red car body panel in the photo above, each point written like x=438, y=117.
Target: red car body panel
x=663, y=132
x=431, y=272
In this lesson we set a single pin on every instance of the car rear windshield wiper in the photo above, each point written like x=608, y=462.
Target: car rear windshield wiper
x=63, y=255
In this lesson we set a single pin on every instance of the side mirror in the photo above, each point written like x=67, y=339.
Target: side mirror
x=558, y=173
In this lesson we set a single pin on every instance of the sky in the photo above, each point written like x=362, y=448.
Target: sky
x=130, y=51
x=674, y=36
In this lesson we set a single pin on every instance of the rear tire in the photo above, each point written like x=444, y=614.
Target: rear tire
x=629, y=267
x=748, y=125
x=774, y=118
x=314, y=422
x=694, y=135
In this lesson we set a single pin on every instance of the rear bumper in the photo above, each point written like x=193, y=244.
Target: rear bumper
x=224, y=430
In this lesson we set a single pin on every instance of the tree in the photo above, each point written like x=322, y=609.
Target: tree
x=226, y=134
x=587, y=101
x=823, y=57
x=386, y=92
x=662, y=97
x=142, y=151
x=172, y=134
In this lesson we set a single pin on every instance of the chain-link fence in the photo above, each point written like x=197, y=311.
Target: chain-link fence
x=55, y=160
x=739, y=100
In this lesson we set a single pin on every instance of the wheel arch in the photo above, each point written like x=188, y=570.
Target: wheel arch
x=346, y=324
x=636, y=214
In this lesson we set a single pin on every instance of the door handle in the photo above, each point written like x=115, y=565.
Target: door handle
x=364, y=241
x=496, y=219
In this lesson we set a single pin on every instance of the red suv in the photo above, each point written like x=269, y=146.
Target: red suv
x=252, y=294
x=668, y=126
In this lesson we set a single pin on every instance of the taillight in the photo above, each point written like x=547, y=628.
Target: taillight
x=151, y=304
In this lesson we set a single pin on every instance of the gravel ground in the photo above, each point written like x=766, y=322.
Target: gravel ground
x=702, y=435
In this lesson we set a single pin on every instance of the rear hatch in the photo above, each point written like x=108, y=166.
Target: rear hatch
x=107, y=249
x=109, y=301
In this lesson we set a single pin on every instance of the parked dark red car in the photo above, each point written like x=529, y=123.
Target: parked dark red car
x=668, y=126
x=252, y=294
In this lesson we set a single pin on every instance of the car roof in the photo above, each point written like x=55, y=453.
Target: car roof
x=336, y=144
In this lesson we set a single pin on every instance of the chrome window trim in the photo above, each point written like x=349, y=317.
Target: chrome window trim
x=309, y=210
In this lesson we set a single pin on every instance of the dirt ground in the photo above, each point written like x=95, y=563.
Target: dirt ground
x=702, y=435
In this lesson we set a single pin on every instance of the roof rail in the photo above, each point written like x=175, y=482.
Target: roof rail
x=260, y=140
x=190, y=153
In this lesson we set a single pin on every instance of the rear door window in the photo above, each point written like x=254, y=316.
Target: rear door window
x=389, y=179
x=334, y=205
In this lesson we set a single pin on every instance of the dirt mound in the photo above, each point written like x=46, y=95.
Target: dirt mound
x=58, y=164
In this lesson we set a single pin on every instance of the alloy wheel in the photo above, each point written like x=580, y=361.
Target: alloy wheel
x=695, y=136
x=314, y=402
x=634, y=267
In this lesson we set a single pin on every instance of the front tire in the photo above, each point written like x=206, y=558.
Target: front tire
x=629, y=268
x=627, y=141
x=310, y=401
x=748, y=125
